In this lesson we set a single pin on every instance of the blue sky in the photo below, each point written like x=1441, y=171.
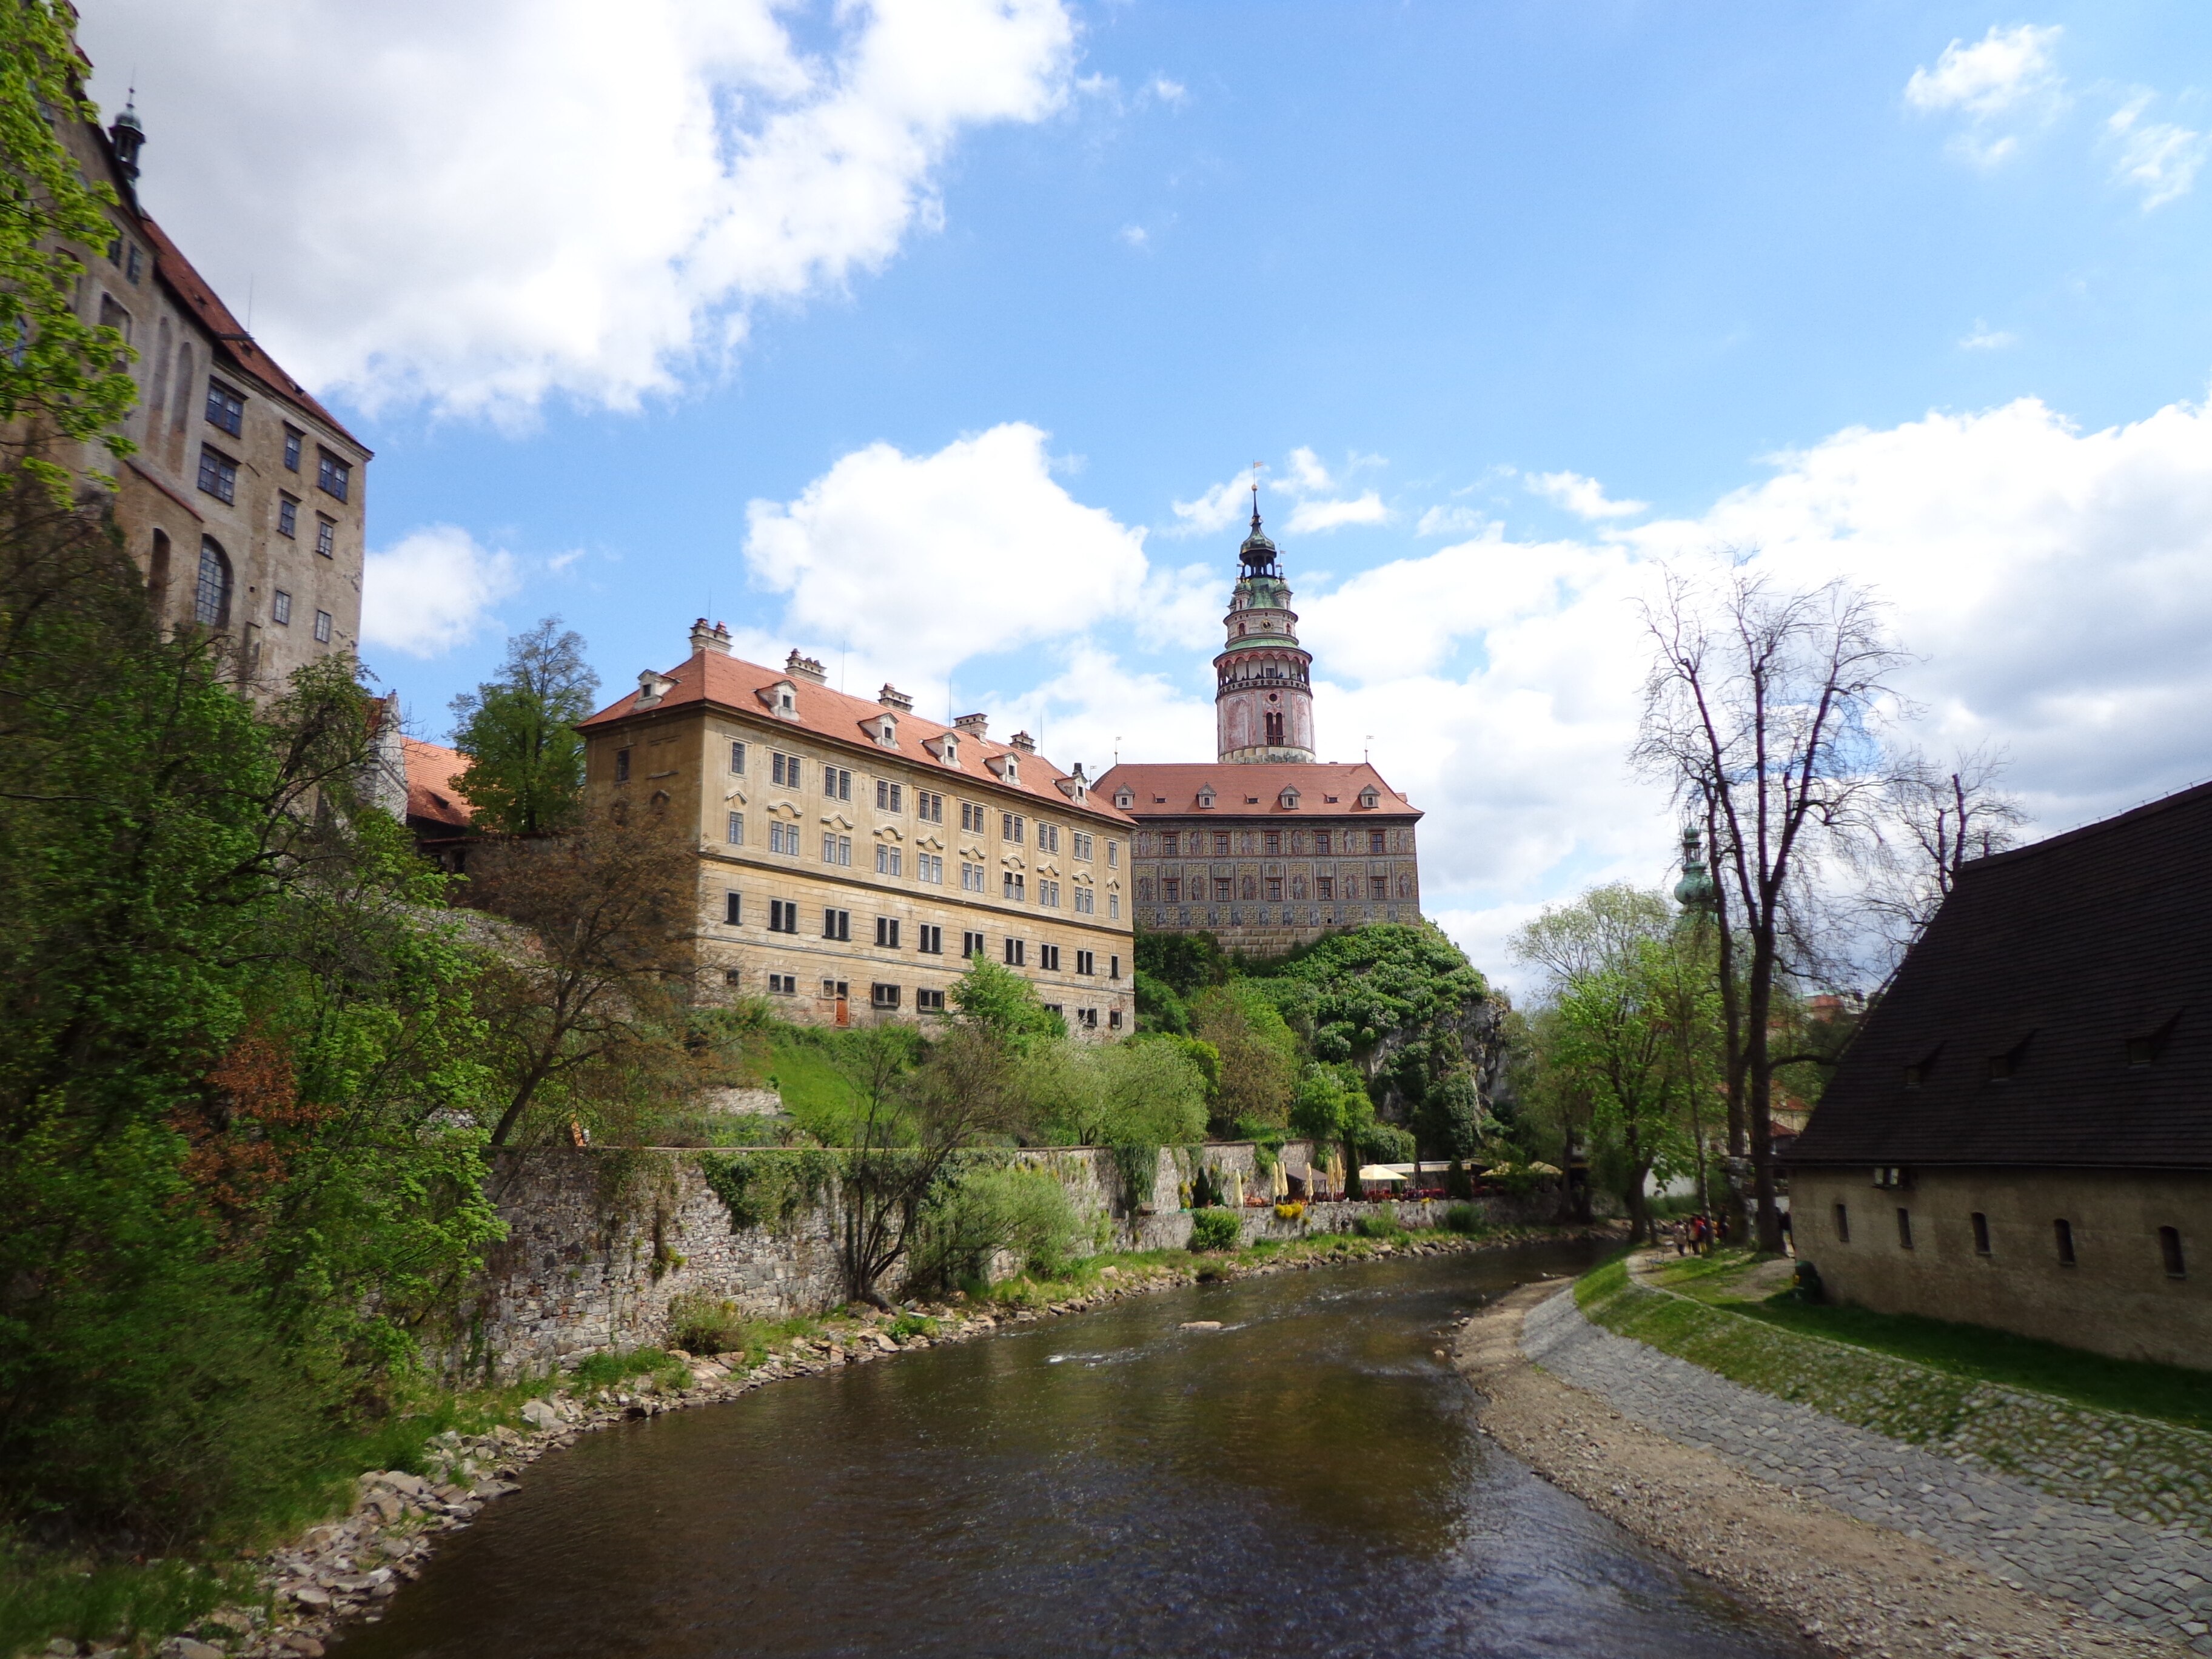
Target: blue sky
x=903, y=338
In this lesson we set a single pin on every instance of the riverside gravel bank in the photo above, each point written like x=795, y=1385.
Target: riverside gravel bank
x=1851, y=1587
x=347, y=1568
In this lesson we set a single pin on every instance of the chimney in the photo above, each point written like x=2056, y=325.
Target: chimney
x=973, y=725
x=891, y=697
x=800, y=666
x=704, y=638
x=1024, y=742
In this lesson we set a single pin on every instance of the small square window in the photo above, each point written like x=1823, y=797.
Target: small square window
x=218, y=474
x=971, y=945
x=326, y=537
x=332, y=475
x=885, y=997
x=288, y=516
x=292, y=437
x=928, y=1002
x=931, y=942
x=322, y=627
x=280, y=609
x=225, y=408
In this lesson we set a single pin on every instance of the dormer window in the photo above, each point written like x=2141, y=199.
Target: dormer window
x=1205, y=799
x=1370, y=797
x=1290, y=800
x=887, y=731
x=782, y=697
x=1013, y=769
x=1125, y=798
x=951, y=742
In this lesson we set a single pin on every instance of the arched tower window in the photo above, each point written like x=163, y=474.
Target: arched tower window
x=211, y=606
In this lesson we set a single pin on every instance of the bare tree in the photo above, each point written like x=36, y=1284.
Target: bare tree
x=1760, y=709
x=608, y=961
x=1934, y=819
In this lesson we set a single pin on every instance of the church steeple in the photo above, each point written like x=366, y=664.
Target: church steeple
x=1263, y=696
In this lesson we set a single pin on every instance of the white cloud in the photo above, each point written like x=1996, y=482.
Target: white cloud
x=1305, y=475
x=1986, y=338
x=1169, y=92
x=926, y=560
x=1446, y=520
x=1214, y=510
x=2008, y=72
x=2157, y=158
x=1312, y=518
x=432, y=591
x=1135, y=235
x=1583, y=497
x=486, y=205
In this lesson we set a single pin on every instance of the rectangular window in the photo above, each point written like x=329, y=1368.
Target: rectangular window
x=1048, y=838
x=887, y=932
x=888, y=796
x=837, y=783
x=326, y=537
x=1113, y=967
x=292, y=437
x=885, y=997
x=322, y=627
x=1113, y=907
x=837, y=849
x=2169, y=1249
x=280, y=609
x=929, y=939
x=1083, y=843
x=738, y=760
x=1113, y=855
x=1324, y=887
x=783, y=985
x=135, y=263
x=927, y=1002
x=1010, y=826
x=1379, y=887
x=1011, y=887
x=2064, y=1230
x=621, y=766
x=1086, y=962
x=1014, y=953
x=833, y=989
x=929, y=806
x=888, y=859
x=218, y=474
x=783, y=769
x=1113, y=1019
x=1048, y=893
x=971, y=945
x=971, y=878
x=1903, y=1228
x=1272, y=844
x=1220, y=844
x=1375, y=841
x=1221, y=889
x=1981, y=1233
x=737, y=827
x=972, y=817
x=1171, y=889
x=1274, y=888
x=1048, y=957
x=782, y=916
x=332, y=475
x=929, y=867
x=734, y=910
x=288, y=516
x=1843, y=1224
x=836, y=924
x=1085, y=901
x=1320, y=841
x=1171, y=843
x=1089, y=1017
x=783, y=838
x=225, y=408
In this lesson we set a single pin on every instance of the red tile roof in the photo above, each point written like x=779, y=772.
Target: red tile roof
x=717, y=679
x=431, y=770
x=1246, y=789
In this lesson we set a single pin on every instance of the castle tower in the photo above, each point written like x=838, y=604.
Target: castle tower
x=1263, y=696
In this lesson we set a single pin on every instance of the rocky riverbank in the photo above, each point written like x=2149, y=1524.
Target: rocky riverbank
x=1850, y=1587
x=347, y=1568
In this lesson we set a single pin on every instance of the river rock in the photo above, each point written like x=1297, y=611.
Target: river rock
x=540, y=1415
x=1201, y=1324
x=308, y=1595
x=184, y=1648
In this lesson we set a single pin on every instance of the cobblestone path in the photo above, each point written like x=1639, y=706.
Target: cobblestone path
x=2156, y=1579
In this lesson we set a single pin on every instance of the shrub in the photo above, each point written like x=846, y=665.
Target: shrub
x=1291, y=1210
x=1213, y=1229
x=1381, y=1224
x=907, y=1325
x=607, y=1371
x=705, y=1324
x=1464, y=1218
x=984, y=1211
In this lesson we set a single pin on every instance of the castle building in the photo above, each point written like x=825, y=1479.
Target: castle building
x=855, y=856
x=243, y=505
x=1266, y=847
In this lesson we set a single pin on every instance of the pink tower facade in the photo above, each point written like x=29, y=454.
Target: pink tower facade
x=1263, y=678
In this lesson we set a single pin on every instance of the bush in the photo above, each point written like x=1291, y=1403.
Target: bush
x=608, y=1370
x=1023, y=1212
x=1213, y=1229
x=1382, y=1223
x=1291, y=1210
x=705, y=1324
x=1464, y=1218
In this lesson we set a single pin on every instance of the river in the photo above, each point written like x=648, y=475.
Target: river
x=1307, y=1480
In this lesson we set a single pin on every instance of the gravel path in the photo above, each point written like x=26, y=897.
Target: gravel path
x=2156, y=1580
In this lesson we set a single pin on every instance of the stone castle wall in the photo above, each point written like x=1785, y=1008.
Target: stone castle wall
x=602, y=1240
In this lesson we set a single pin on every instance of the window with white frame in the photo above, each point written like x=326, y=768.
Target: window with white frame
x=323, y=621
x=888, y=796
x=1015, y=955
x=837, y=783
x=1113, y=855
x=1048, y=837
x=1085, y=902
x=737, y=835
x=1082, y=849
x=326, y=537
x=836, y=849
x=971, y=817
x=971, y=945
x=1113, y=907
x=280, y=609
x=783, y=985
x=287, y=518
x=929, y=867
x=1010, y=826
x=1047, y=893
x=971, y=878
x=783, y=838
x=1011, y=886
x=929, y=806
x=888, y=859
x=737, y=759
x=1086, y=962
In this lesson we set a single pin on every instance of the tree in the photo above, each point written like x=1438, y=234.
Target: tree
x=1759, y=710
x=1331, y=1107
x=1933, y=819
x=1259, y=1055
x=601, y=974
x=63, y=377
x=1004, y=1004
x=525, y=770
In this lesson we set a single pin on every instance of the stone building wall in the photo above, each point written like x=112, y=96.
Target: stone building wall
x=2117, y=1296
x=601, y=1240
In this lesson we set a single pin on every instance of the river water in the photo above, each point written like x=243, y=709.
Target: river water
x=1307, y=1480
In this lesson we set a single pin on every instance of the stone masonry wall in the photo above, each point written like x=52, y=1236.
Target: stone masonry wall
x=600, y=1241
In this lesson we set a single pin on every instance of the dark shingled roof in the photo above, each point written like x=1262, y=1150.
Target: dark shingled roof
x=2056, y=954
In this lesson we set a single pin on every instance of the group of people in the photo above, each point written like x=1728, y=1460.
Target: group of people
x=1696, y=1235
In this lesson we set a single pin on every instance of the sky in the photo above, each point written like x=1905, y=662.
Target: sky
x=938, y=338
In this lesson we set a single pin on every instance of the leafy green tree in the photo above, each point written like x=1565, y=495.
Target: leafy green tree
x=1258, y=1065
x=1146, y=1092
x=1184, y=963
x=1159, y=1008
x=525, y=770
x=1003, y=1004
x=59, y=375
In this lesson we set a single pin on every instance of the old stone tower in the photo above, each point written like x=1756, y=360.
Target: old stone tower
x=1263, y=695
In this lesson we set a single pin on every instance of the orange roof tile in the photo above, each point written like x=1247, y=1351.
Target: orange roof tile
x=1245, y=789
x=719, y=679
x=431, y=770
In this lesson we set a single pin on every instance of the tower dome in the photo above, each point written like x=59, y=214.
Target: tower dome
x=1263, y=695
